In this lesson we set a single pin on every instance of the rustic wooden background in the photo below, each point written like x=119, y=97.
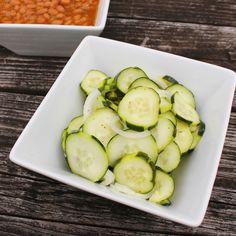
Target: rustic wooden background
x=31, y=204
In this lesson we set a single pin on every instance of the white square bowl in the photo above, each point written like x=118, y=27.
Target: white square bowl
x=38, y=147
x=50, y=40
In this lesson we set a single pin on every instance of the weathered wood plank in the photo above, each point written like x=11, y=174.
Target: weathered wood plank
x=10, y=169
x=28, y=75
x=15, y=112
x=57, y=202
x=199, y=11
x=16, y=226
x=190, y=40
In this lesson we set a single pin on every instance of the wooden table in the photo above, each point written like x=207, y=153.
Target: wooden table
x=31, y=204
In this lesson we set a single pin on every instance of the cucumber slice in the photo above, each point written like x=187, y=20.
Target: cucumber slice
x=169, y=158
x=165, y=81
x=184, y=92
x=169, y=115
x=135, y=172
x=75, y=124
x=184, y=111
x=168, y=80
x=110, y=91
x=94, y=79
x=164, y=133
x=110, y=104
x=120, y=146
x=98, y=124
x=165, y=105
x=165, y=202
x=144, y=82
x=109, y=84
x=139, y=108
x=125, y=78
x=164, y=185
x=86, y=156
x=184, y=137
x=63, y=141
x=197, y=135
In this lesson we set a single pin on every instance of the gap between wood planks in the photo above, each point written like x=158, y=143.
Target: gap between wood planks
x=169, y=21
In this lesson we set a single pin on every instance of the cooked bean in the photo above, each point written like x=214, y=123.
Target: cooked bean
x=60, y=8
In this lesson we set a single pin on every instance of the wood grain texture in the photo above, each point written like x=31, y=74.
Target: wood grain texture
x=32, y=204
x=59, y=203
x=199, y=11
x=24, y=226
x=186, y=39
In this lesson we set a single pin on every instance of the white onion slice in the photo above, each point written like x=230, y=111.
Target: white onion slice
x=88, y=104
x=164, y=93
x=128, y=133
x=128, y=191
x=109, y=178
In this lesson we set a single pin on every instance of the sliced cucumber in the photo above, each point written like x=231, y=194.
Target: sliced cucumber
x=110, y=104
x=165, y=202
x=169, y=158
x=125, y=78
x=94, y=79
x=164, y=133
x=144, y=82
x=197, y=135
x=75, y=124
x=184, y=137
x=184, y=111
x=120, y=146
x=166, y=81
x=110, y=91
x=98, y=124
x=169, y=80
x=186, y=94
x=164, y=185
x=169, y=115
x=63, y=141
x=165, y=105
x=135, y=172
x=86, y=156
x=139, y=108
x=109, y=84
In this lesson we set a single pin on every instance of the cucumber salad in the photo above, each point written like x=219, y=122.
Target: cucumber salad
x=133, y=132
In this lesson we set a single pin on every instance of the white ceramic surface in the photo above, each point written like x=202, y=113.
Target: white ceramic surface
x=38, y=147
x=50, y=40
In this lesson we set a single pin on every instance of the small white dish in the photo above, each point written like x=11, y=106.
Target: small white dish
x=38, y=147
x=50, y=40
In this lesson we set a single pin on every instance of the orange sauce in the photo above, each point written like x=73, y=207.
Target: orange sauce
x=59, y=12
